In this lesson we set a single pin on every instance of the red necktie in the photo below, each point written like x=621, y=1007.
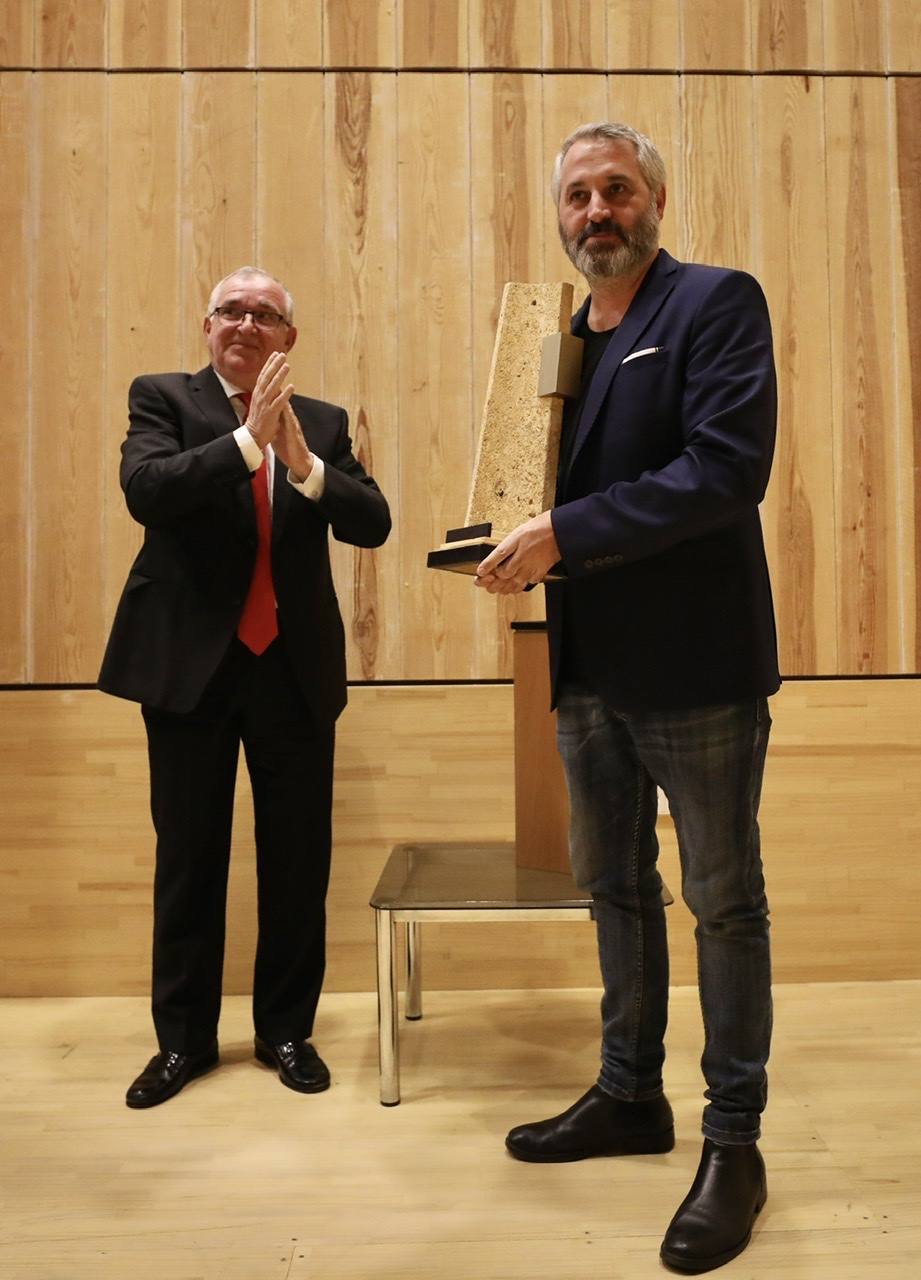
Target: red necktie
x=259, y=622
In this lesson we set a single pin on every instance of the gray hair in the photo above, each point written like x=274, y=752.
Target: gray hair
x=651, y=164
x=247, y=272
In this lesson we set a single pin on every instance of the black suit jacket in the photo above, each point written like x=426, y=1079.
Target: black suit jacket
x=668, y=602
x=186, y=482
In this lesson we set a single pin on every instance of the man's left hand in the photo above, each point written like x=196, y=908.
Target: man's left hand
x=524, y=557
x=291, y=447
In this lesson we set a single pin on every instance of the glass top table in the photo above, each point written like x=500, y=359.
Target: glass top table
x=469, y=877
x=453, y=882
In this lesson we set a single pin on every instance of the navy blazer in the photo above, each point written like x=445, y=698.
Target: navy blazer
x=186, y=482
x=668, y=601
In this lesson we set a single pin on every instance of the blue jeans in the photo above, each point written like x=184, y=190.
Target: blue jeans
x=709, y=762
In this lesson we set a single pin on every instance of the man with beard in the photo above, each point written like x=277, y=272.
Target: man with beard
x=663, y=653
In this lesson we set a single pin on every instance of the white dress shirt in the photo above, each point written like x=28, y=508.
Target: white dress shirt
x=311, y=488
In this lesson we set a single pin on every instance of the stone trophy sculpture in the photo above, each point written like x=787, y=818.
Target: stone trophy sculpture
x=536, y=364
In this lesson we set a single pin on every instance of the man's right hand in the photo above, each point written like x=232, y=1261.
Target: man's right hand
x=270, y=396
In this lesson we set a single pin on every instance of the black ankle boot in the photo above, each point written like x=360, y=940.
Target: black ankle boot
x=714, y=1221
x=596, y=1125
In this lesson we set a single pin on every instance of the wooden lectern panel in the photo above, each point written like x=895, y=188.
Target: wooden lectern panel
x=541, y=799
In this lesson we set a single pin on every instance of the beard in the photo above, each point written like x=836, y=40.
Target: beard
x=605, y=261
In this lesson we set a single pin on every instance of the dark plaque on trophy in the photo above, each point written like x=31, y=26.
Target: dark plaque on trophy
x=536, y=364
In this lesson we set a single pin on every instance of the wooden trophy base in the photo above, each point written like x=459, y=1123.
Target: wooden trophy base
x=463, y=549
x=461, y=557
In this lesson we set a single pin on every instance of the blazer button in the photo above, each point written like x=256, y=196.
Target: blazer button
x=589, y=564
x=618, y=559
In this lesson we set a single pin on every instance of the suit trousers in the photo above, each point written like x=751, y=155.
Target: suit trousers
x=193, y=758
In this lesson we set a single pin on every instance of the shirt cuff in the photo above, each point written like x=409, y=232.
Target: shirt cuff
x=252, y=454
x=315, y=483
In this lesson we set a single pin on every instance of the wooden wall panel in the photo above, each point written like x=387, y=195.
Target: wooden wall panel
x=642, y=37
x=361, y=350
x=437, y=430
x=217, y=33
x=787, y=35
x=507, y=181
x=433, y=33
x=792, y=265
x=840, y=818
x=145, y=33
x=70, y=33
x=16, y=295
x=68, y=354
x=841, y=781
x=359, y=33
x=17, y=33
x=218, y=195
x=505, y=33
x=906, y=150
x=79, y=871
x=508, y=198
x=869, y=561
x=855, y=37
x=903, y=36
x=289, y=33
x=145, y=298
x=837, y=36
x=290, y=209
x=716, y=36
x=718, y=177
x=575, y=33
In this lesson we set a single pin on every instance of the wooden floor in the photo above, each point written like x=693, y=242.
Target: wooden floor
x=241, y=1179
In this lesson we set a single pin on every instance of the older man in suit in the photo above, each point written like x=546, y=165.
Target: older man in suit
x=228, y=631
x=663, y=653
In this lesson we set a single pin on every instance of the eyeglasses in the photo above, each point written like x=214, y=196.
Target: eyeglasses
x=261, y=319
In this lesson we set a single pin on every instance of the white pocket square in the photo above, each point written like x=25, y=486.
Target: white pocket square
x=635, y=355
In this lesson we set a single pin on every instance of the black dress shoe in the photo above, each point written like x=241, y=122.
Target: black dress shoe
x=714, y=1221
x=597, y=1125
x=166, y=1073
x=298, y=1064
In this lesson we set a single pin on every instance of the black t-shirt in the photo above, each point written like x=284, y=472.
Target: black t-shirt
x=595, y=346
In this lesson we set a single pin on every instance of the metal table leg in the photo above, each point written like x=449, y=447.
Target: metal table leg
x=413, y=970
x=387, y=1029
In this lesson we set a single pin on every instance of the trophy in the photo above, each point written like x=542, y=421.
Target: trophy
x=536, y=363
